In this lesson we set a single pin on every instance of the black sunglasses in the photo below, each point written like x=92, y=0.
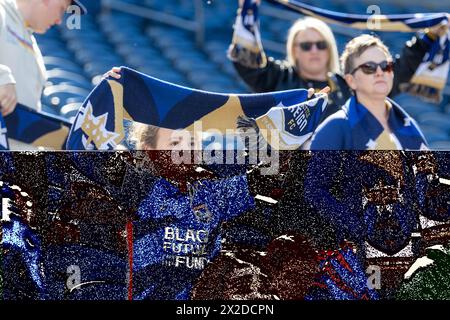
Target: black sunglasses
x=307, y=45
x=371, y=67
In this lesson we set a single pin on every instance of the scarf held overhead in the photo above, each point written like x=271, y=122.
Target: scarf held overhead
x=141, y=98
x=391, y=22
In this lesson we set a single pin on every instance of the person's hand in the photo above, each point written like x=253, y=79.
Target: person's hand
x=325, y=90
x=440, y=29
x=114, y=72
x=8, y=99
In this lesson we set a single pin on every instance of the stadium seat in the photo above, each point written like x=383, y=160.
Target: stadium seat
x=58, y=76
x=432, y=133
x=50, y=110
x=152, y=61
x=62, y=64
x=125, y=49
x=69, y=111
x=415, y=106
x=443, y=145
x=435, y=119
x=57, y=96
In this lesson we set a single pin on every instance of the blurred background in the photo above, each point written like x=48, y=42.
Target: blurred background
x=185, y=42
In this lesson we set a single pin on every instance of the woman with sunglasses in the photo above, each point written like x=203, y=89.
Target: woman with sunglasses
x=369, y=120
x=313, y=62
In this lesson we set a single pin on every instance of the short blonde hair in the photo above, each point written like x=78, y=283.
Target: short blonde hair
x=356, y=47
x=325, y=31
x=143, y=136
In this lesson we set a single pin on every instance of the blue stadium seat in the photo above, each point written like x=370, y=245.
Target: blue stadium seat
x=175, y=54
x=94, y=69
x=57, y=76
x=76, y=45
x=62, y=64
x=63, y=54
x=57, y=96
x=49, y=47
x=96, y=55
x=215, y=46
x=435, y=136
x=220, y=59
x=50, y=110
x=447, y=109
x=435, y=119
x=158, y=32
x=416, y=110
x=170, y=42
x=187, y=65
x=69, y=111
x=125, y=49
x=229, y=70
x=414, y=105
x=280, y=27
x=440, y=145
x=138, y=61
x=130, y=38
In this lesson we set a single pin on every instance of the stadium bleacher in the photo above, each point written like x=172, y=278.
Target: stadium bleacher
x=76, y=59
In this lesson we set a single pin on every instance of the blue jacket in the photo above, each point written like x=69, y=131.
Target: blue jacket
x=355, y=128
x=177, y=234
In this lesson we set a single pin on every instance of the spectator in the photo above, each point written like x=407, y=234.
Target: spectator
x=312, y=62
x=22, y=69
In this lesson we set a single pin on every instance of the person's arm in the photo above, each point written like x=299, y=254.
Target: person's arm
x=246, y=51
x=8, y=95
x=276, y=75
x=163, y=203
x=6, y=76
x=412, y=56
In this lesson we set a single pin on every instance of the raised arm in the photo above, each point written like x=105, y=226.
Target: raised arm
x=412, y=55
x=261, y=74
x=8, y=96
